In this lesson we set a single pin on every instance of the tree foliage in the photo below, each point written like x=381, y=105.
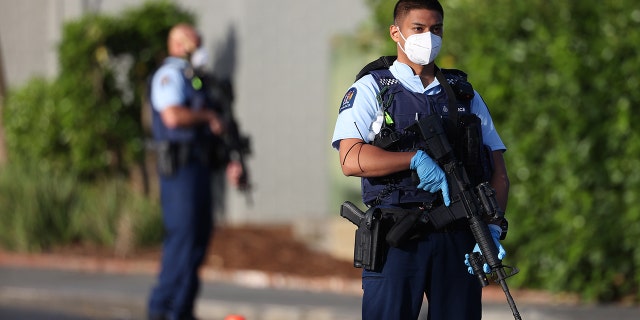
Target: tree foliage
x=560, y=79
x=88, y=120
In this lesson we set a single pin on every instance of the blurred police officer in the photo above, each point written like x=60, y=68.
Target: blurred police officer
x=391, y=99
x=184, y=129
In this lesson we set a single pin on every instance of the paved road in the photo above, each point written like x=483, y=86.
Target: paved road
x=27, y=293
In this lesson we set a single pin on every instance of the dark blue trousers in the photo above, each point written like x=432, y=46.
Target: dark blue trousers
x=188, y=223
x=432, y=266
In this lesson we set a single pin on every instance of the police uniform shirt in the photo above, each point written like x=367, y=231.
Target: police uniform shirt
x=359, y=111
x=168, y=87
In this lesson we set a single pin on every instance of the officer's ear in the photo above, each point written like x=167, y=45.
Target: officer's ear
x=394, y=33
x=191, y=42
x=189, y=46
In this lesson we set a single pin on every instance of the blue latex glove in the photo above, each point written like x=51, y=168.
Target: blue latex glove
x=495, y=234
x=432, y=178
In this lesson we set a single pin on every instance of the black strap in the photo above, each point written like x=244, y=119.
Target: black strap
x=383, y=62
x=453, y=102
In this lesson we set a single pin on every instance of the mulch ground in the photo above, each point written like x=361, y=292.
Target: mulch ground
x=272, y=249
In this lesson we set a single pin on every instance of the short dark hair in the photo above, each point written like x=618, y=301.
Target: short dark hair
x=403, y=7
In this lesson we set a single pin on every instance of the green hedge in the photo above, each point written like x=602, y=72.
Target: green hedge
x=40, y=211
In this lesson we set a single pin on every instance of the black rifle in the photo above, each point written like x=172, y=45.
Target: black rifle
x=237, y=146
x=472, y=202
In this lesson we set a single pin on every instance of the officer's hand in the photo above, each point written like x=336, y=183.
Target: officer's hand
x=495, y=234
x=215, y=125
x=234, y=173
x=432, y=178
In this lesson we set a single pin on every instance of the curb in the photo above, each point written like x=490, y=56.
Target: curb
x=248, y=278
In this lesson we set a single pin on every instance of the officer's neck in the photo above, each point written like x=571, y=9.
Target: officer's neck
x=426, y=73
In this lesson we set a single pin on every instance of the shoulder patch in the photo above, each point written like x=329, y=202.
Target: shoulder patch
x=165, y=80
x=347, y=101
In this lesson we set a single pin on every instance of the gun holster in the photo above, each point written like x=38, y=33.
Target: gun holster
x=406, y=225
x=167, y=158
x=370, y=248
x=172, y=155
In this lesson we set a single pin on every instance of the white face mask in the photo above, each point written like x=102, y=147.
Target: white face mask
x=421, y=48
x=199, y=58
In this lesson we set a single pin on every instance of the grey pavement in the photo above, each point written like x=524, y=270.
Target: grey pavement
x=35, y=293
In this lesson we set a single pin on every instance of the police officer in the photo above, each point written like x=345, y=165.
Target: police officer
x=391, y=99
x=183, y=128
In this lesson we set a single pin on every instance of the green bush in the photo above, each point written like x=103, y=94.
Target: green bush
x=561, y=92
x=41, y=211
x=34, y=209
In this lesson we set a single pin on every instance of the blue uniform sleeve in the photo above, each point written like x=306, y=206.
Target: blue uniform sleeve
x=358, y=110
x=167, y=88
x=490, y=136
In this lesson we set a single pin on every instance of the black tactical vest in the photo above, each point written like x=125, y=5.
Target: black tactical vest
x=402, y=108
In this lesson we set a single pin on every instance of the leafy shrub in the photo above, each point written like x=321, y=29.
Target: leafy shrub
x=41, y=211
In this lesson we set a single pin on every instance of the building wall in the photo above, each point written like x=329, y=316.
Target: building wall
x=278, y=52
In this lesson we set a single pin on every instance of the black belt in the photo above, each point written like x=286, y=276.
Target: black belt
x=456, y=226
x=191, y=152
x=395, y=214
